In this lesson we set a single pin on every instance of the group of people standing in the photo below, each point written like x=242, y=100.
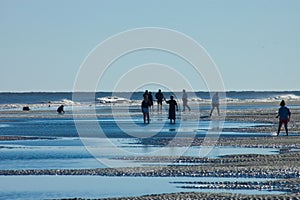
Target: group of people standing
x=147, y=104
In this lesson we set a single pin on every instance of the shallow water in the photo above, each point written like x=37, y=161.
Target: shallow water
x=118, y=138
x=70, y=153
x=42, y=187
x=110, y=127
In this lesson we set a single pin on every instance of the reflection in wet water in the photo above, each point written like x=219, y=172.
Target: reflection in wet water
x=70, y=153
x=49, y=187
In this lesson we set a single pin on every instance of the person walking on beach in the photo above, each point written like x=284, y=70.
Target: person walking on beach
x=60, y=109
x=185, y=100
x=172, y=109
x=145, y=109
x=215, y=103
x=284, y=115
x=160, y=97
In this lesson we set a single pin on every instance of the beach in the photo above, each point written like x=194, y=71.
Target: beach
x=159, y=100
x=250, y=128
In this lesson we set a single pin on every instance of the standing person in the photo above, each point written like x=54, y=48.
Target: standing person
x=284, y=115
x=184, y=101
x=159, y=96
x=146, y=93
x=145, y=109
x=60, y=109
x=150, y=98
x=215, y=103
x=172, y=109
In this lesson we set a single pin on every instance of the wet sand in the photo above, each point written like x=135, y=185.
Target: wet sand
x=210, y=196
x=14, y=137
x=285, y=166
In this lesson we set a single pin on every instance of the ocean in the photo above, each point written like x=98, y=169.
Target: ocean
x=45, y=97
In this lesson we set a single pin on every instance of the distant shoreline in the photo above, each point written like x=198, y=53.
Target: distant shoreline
x=176, y=91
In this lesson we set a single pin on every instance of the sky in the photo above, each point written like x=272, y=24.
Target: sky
x=254, y=44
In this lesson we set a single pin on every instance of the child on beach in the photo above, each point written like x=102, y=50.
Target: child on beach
x=284, y=115
x=172, y=109
x=145, y=109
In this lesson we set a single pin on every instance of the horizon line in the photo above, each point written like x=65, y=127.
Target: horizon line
x=40, y=91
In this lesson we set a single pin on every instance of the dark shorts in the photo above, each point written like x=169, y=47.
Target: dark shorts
x=159, y=102
x=283, y=121
x=145, y=110
x=215, y=105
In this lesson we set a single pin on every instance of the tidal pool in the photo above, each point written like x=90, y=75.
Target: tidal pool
x=63, y=153
x=49, y=187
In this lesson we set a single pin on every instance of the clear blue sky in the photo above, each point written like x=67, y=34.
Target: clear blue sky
x=255, y=43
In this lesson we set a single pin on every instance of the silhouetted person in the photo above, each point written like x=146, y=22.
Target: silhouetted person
x=284, y=115
x=184, y=101
x=26, y=108
x=215, y=103
x=145, y=109
x=172, y=109
x=160, y=97
x=150, y=98
x=146, y=93
x=60, y=109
